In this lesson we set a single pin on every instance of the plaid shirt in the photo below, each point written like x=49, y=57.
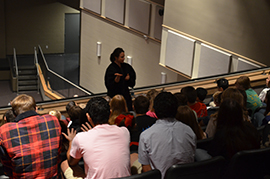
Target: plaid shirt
x=30, y=146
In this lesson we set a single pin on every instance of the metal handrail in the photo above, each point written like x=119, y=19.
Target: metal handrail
x=56, y=74
x=16, y=68
x=36, y=64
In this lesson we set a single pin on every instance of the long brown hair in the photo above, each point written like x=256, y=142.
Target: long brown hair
x=118, y=106
x=186, y=115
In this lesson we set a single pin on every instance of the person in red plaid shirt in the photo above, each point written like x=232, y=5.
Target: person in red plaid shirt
x=30, y=146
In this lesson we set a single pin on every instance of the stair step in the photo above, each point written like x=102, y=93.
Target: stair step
x=27, y=82
x=27, y=88
x=33, y=67
x=27, y=72
x=27, y=77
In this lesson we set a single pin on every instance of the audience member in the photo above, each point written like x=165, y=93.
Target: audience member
x=198, y=107
x=181, y=98
x=141, y=106
x=232, y=93
x=168, y=141
x=118, y=106
x=187, y=116
x=267, y=111
x=30, y=145
x=233, y=133
x=108, y=155
x=7, y=117
x=216, y=99
x=74, y=113
x=264, y=91
x=201, y=94
x=253, y=100
x=70, y=104
x=222, y=84
x=151, y=94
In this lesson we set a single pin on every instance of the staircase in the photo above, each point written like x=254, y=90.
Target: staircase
x=27, y=78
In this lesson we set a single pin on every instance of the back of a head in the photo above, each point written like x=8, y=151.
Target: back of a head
x=69, y=105
x=151, y=94
x=165, y=105
x=190, y=92
x=98, y=109
x=56, y=114
x=243, y=82
x=186, y=115
x=230, y=114
x=234, y=94
x=141, y=104
x=201, y=93
x=223, y=83
x=23, y=103
x=118, y=104
x=181, y=98
x=75, y=112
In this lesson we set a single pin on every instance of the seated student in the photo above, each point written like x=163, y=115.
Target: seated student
x=222, y=84
x=118, y=106
x=187, y=116
x=233, y=133
x=28, y=140
x=7, y=117
x=228, y=93
x=74, y=114
x=198, y=107
x=253, y=100
x=201, y=94
x=181, y=98
x=141, y=106
x=151, y=94
x=104, y=148
x=267, y=111
x=264, y=91
x=168, y=141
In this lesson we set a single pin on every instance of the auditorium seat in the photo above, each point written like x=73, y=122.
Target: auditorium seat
x=153, y=174
x=249, y=164
x=208, y=169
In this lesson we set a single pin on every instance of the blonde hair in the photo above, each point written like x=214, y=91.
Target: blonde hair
x=23, y=103
x=118, y=106
x=56, y=114
x=151, y=95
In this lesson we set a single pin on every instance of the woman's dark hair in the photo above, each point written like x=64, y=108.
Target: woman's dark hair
x=186, y=115
x=230, y=113
x=116, y=53
x=233, y=134
x=74, y=112
x=69, y=105
x=267, y=100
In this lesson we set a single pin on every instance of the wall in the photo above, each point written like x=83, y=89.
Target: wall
x=239, y=26
x=30, y=23
x=2, y=30
x=145, y=54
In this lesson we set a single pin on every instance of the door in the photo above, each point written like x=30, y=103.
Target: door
x=72, y=33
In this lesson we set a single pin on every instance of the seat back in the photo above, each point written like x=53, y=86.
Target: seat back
x=153, y=174
x=210, y=169
x=249, y=164
x=204, y=143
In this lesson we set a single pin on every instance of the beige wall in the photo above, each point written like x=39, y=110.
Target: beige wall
x=30, y=23
x=239, y=26
x=145, y=54
x=2, y=30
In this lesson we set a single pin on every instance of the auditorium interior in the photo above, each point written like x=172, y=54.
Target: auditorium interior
x=58, y=50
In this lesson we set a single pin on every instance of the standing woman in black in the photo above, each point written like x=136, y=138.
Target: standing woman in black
x=119, y=76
